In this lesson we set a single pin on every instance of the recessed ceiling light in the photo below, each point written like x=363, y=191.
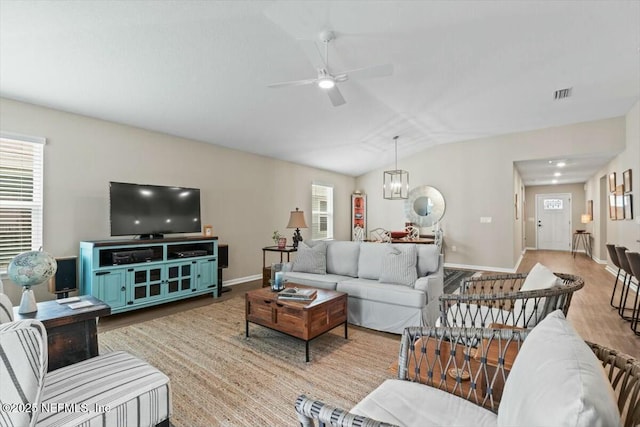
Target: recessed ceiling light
x=557, y=174
x=555, y=181
x=561, y=164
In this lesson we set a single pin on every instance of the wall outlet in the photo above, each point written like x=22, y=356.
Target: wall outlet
x=485, y=219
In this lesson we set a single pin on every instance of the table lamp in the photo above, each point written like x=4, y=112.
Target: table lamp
x=29, y=269
x=296, y=220
x=585, y=219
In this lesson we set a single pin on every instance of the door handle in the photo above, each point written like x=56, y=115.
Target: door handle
x=539, y=223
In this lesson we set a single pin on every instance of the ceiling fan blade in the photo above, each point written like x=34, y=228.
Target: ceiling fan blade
x=293, y=83
x=335, y=96
x=370, y=72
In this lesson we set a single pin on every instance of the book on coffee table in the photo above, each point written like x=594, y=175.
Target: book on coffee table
x=296, y=294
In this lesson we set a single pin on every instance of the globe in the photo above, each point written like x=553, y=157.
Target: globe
x=32, y=268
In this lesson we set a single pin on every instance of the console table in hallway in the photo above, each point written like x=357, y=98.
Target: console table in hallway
x=584, y=238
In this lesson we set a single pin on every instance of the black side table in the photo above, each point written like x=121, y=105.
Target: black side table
x=266, y=271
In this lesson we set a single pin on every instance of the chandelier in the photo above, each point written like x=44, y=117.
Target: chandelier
x=395, y=183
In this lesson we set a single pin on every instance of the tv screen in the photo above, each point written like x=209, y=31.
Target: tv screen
x=153, y=210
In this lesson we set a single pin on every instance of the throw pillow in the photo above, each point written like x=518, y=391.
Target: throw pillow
x=540, y=277
x=428, y=259
x=311, y=259
x=556, y=380
x=399, y=265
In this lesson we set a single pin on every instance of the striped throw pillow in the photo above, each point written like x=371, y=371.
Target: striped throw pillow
x=399, y=265
x=311, y=259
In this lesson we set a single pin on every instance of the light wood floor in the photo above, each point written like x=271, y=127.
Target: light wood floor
x=589, y=313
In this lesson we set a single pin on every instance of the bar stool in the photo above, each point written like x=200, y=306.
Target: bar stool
x=634, y=263
x=613, y=255
x=626, y=284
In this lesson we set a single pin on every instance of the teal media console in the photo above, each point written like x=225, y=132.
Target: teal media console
x=131, y=274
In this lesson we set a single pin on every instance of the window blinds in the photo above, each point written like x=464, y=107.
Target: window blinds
x=21, y=175
x=321, y=212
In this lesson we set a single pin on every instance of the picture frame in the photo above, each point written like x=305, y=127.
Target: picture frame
x=626, y=180
x=612, y=206
x=516, y=204
x=619, y=202
x=590, y=208
x=628, y=206
x=207, y=230
x=612, y=182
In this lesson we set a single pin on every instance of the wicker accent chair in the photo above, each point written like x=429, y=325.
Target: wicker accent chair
x=498, y=299
x=429, y=356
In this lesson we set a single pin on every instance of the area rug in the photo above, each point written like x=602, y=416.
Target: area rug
x=221, y=378
x=453, y=278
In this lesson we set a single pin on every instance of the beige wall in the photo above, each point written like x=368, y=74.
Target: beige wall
x=620, y=232
x=477, y=180
x=578, y=207
x=244, y=196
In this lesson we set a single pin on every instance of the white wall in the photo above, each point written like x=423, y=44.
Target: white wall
x=244, y=196
x=477, y=180
x=620, y=232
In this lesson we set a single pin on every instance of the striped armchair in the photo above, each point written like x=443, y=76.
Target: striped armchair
x=114, y=389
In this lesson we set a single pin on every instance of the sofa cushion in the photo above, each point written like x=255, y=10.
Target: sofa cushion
x=311, y=259
x=428, y=259
x=557, y=380
x=540, y=277
x=342, y=258
x=399, y=265
x=383, y=292
x=370, y=259
x=406, y=403
x=322, y=281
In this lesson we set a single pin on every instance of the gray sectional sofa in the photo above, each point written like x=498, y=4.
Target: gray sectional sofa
x=390, y=286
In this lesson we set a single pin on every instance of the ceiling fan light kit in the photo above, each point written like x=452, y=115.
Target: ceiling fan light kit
x=328, y=81
x=395, y=183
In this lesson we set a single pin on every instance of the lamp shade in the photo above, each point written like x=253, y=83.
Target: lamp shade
x=296, y=220
x=585, y=218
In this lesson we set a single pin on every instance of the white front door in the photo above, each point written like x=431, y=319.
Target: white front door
x=553, y=221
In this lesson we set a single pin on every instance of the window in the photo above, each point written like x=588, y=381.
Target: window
x=21, y=164
x=552, y=204
x=321, y=212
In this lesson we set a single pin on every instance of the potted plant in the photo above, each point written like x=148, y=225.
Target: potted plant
x=279, y=239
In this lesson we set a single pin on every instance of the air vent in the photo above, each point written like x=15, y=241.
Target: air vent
x=562, y=93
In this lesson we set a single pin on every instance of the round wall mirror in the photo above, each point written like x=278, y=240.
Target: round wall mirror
x=425, y=206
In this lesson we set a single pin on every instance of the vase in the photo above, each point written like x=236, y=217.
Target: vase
x=282, y=242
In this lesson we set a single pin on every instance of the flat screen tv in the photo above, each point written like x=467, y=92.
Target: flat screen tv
x=151, y=211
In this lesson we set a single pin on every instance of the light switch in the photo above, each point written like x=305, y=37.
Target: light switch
x=485, y=219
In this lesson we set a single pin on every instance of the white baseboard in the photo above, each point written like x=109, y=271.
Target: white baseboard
x=240, y=280
x=614, y=272
x=479, y=268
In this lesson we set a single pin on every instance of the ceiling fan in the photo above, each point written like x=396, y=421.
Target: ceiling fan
x=328, y=81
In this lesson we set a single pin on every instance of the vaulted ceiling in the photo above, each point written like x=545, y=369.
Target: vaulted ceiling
x=201, y=70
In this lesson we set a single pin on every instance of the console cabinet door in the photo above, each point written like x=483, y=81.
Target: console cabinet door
x=110, y=287
x=180, y=277
x=207, y=277
x=145, y=283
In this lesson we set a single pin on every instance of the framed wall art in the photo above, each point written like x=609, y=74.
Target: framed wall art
x=612, y=206
x=626, y=180
x=612, y=182
x=619, y=201
x=628, y=206
x=590, y=209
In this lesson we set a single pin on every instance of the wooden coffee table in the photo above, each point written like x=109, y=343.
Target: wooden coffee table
x=305, y=320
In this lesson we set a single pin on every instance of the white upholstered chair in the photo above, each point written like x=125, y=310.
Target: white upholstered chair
x=114, y=389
